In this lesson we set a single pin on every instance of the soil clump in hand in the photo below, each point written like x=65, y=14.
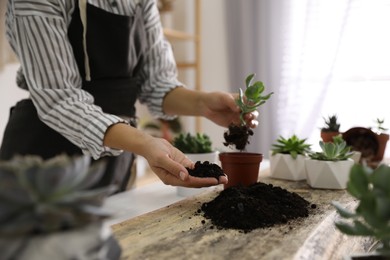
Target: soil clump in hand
x=206, y=169
x=238, y=136
x=257, y=206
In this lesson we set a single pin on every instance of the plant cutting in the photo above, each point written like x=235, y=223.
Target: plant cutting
x=248, y=101
x=198, y=148
x=242, y=168
x=331, y=128
x=371, y=217
x=287, y=158
x=329, y=168
x=49, y=211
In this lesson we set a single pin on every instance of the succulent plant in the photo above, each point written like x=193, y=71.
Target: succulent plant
x=379, y=126
x=42, y=196
x=331, y=124
x=292, y=145
x=188, y=143
x=338, y=150
x=371, y=217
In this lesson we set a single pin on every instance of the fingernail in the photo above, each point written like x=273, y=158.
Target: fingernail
x=182, y=176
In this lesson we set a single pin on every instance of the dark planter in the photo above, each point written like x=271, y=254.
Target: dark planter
x=242, y=168
x=370, y=144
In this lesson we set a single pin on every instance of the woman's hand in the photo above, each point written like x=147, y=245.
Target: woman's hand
x=169, y=164
x=221, y=108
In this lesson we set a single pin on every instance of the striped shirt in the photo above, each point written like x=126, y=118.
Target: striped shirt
x=37, y=32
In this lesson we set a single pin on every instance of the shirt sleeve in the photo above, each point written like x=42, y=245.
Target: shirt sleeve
x=38, y=34
x=159, y=71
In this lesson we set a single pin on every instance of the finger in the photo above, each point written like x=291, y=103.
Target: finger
x=199, y=182
x=253, y=124
x=223, y=179
x=176, y=169
x=251, y=116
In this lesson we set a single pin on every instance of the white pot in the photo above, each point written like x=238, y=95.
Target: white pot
x=202, y=157
x=328, y=174
x=284, y=166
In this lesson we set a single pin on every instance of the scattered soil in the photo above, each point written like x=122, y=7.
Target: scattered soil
x=206, y=169
x=257, y=206
x=238, y=136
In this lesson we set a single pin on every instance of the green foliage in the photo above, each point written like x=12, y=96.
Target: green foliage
x=198, y=143
x=331, y=124
x=372, y=215
x=338, y=150
x=250, y=99
x=292, y=146
x=379, y=126
x=42, y=196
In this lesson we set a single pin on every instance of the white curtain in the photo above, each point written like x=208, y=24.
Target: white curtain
x=6, y=55
x=320, y=57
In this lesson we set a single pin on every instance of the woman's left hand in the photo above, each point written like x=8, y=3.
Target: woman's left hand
x=221, y=108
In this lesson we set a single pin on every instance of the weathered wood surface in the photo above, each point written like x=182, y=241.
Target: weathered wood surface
x=177, y=232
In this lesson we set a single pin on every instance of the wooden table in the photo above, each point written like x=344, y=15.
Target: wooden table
x=177, y=232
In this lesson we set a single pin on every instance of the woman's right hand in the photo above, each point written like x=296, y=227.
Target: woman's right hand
x=169, y=164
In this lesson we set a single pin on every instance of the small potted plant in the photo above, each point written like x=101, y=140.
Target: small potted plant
x=371, y=142
x=371, y=216
x=198, y=148
x=49, y=210
x=329, y=168
x=331, y=128
x=287, y=158
x=242, y=168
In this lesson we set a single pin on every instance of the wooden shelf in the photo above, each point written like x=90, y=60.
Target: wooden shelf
x=179, y=35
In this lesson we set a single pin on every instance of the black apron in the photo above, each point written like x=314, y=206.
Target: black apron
x=115, y=47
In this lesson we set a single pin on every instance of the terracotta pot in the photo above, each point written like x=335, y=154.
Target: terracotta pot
x=242, y=168
x=328, y=136
x=382, y=141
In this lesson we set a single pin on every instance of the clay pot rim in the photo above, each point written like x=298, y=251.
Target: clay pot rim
x=240, y=157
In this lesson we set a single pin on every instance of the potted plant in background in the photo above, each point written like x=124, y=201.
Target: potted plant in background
x=331, y=128
x=371, y=217
x=382, y=137
x=49, y=211
x=198, y=148
x=329, y=168
x=371, y=143
x=287, y=158
x=242, y=168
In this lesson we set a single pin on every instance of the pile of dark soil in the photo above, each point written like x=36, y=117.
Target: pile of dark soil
x=258, y=206
x=206, y=169
x=238, y=136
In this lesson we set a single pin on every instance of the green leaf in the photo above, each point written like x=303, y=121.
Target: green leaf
x=358, y=181
x=343, y=211
x=249, y=79
x=381, y=178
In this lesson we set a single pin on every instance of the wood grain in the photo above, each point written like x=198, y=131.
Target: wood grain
x=177, y=231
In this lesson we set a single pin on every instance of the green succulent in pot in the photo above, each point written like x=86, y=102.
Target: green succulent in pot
x=292, y=145
x=197, y=143
x=41, y=199
x=338, y=150
x=371, y=217
x=331, y=124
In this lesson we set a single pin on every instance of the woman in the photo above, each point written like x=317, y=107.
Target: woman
x=85, y=63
